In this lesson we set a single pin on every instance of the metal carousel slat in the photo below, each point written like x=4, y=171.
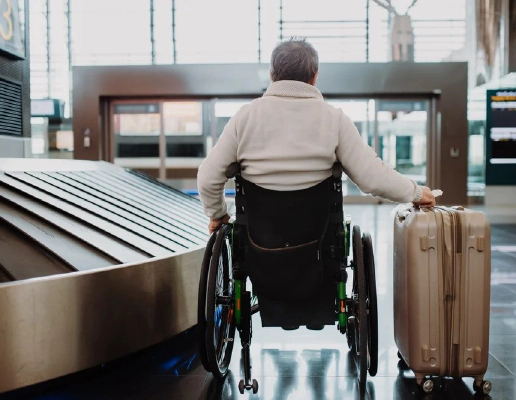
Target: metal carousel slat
x=188, y=205
x=113, y=197
x=87, y=217
x=104, y=211
x=74, y=252
x=24, y=259
x=142, y=201
x=166, y=206
x=113, y=247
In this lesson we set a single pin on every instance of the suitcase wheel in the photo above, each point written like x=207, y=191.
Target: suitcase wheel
x=484, y=387
x=427, y=385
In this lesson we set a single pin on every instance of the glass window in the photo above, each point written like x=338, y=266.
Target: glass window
x=110, y=32
x=163, y=46
x=223, y=31
x=38, y=50
x=438, y=34
x=182, y=118
x=118, y=32
x=224, y=110
x=337, y=30
x=137, y=124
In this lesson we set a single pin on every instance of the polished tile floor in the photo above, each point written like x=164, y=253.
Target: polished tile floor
x=304, y=364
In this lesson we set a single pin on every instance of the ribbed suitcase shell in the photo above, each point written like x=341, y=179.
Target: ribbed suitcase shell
x=442, y=272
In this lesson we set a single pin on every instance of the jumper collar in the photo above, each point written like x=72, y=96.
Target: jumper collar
x=293, y=89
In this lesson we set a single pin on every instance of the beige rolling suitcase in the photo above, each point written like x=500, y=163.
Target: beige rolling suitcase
x=442, y=272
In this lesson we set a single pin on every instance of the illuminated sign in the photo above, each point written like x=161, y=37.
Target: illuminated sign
x=49, y=108
x=10, y=31
x=501, y=137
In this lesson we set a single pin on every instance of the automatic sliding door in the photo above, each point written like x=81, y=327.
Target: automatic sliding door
x=137, y=129
x=397, y=130
x=362, y=113
x=163, y=138
x=402, y=136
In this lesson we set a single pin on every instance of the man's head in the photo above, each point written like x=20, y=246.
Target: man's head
x=294, y=60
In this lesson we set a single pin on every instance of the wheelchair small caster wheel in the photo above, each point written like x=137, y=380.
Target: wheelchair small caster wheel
x=427, y=385
x=255, y=386
x=483, y=388
x=241, y=386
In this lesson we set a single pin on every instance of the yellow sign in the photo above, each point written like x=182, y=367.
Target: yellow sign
x=7, y=35
x=10, y=32
x=503, y=98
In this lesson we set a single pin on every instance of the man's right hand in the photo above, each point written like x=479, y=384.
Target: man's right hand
x=428, y=199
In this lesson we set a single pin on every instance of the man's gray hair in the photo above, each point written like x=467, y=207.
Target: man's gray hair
x=295, y=60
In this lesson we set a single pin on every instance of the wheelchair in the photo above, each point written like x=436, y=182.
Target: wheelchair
x=295, y=249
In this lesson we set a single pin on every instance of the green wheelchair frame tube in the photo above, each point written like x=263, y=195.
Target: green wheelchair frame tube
x=238, y=285
x=341, y=287
x=238, y=296
x=342, y=304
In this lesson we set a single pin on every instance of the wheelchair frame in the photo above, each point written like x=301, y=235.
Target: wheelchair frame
x=224, y=304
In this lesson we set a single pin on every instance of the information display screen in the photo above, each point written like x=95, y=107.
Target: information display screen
x=11, y=41
x=501, y=136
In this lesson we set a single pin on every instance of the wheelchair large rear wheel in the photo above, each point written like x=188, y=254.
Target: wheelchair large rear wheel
x=201, y=302
x=359, y=307
x=372, y=304
x=220, y=323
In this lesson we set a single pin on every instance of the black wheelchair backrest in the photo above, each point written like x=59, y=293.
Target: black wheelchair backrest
x=235, y=168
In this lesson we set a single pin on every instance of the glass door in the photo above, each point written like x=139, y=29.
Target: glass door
x=362, y=113
x=137, y=128
x=163, y=138
x=397, y=130
x=402, y=136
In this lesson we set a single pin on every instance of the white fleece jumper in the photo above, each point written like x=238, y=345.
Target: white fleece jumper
x=289, y=139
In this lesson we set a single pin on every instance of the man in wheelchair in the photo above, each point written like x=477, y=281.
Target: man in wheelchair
x=287, y=151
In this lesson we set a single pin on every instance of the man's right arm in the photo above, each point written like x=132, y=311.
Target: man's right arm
x=211, y=176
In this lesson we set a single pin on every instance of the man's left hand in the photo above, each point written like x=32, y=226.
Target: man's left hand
x=216, y=223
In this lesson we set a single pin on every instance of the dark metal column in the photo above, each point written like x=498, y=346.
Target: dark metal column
x=49, y=88
x=367, y=38
x=259, y=32
x=174, y=52
x=69, y=49
x=153, y=49
x=281, y=20
x=512, y=36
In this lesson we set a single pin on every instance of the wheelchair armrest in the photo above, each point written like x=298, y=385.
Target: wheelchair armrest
x=336, y=170
x=232, y=170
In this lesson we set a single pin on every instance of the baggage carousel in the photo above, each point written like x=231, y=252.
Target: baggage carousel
x=96, y=262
